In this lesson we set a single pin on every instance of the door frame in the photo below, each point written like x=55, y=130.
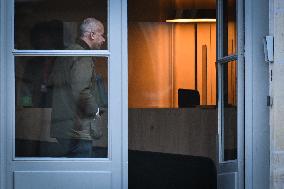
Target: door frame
x=241, y=92
x=257, y=130
x=3, y=102
x=124, y=99
x=2, y=96
x=254, y=167
x=238, y=164
x=7, y=112
x=254, y=137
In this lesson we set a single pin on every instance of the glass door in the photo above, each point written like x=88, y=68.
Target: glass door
x=230, y=94
x=64, y=119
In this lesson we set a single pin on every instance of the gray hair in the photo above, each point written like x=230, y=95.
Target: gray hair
x=89, y=25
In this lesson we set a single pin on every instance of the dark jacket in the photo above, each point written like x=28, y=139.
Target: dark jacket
x=75, y=97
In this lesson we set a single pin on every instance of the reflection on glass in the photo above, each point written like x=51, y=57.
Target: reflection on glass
x=230, y=111
x=61, y=107
x=230, y=29
x=54, y=25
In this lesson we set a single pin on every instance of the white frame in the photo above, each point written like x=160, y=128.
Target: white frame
x=117, y=56
x=241, y=94
x=124, y=51
x=15, y=53
x=238, y=164
x=257, y=133
x=2, y=95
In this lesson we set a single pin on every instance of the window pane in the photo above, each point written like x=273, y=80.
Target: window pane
x=230, y=28
x=61, y=106
x=230, y=110
x=51, y=24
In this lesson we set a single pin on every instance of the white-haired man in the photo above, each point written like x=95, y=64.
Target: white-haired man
x=76, y=100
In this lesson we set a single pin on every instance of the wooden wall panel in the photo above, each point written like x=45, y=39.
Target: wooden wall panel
x=149, y=67
x=204, y=38
x=184, y=58
x=162, y=60
x=211, y=67
x=204, y=74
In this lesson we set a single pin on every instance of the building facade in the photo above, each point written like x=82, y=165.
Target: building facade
x=276, y=88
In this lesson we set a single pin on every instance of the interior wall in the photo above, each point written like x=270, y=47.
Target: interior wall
x=183, y=58
x=204, y=4
x=207, y=36
x=162, y=60
x=149, y=68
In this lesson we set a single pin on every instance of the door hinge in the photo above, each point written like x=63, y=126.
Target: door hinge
x=269, y=101
x=268, y=43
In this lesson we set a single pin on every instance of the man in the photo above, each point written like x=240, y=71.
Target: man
x=75, y=101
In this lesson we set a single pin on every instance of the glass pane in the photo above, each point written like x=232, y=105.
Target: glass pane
x=230, y=110
x=61, y=106
x=230, y=28
x=171, y=88
x=55, y=25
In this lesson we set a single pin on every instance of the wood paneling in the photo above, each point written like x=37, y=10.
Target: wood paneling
x=183, y=58
x=162, y=60
x=204, y=74
x=206, y=35
x=149, y=67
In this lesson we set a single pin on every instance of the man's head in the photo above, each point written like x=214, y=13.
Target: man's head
x=92, y=32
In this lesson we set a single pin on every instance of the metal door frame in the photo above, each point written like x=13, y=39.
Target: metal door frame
x=117, y=53
x=3, y=102
x=257, y=130
x=234, y=165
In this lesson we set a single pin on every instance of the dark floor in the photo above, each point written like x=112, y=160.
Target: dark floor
x=151, y=170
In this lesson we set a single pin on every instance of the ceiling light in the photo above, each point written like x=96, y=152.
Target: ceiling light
x=193, y=16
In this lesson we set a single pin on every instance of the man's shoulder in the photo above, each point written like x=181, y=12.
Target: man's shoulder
x=75, y=46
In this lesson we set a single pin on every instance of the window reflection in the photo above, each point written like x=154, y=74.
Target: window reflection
x=230, y=32
x=230, y=111
x=54, y=114
x=230, y=82
x=54, y=25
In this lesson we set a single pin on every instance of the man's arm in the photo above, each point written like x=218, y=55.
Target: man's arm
x=81, y=78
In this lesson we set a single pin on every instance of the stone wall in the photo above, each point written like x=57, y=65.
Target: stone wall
x=277, y=92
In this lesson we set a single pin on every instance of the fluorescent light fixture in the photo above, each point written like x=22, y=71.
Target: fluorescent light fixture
x=184, y=20
x=193, y=16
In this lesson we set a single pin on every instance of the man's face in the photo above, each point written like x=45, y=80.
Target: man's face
x=98, y=38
